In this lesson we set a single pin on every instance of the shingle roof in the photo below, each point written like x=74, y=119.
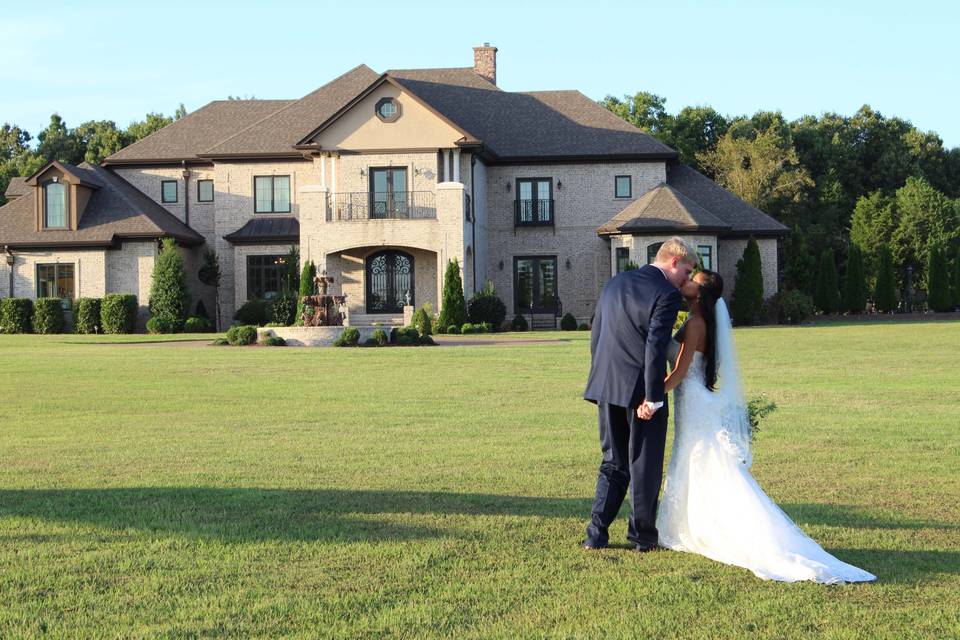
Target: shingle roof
x=517, y=126
x=663, y=208
x=197, y=131
x=690, y=201
x=742, y=217
x=278, y=132
x=279, y=229
x=115, y=210
x=17, y=187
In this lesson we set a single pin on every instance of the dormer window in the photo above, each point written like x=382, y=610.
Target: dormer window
x=55, y=205
x=388, y=109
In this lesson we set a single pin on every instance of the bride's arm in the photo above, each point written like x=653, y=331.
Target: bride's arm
x=691, y=338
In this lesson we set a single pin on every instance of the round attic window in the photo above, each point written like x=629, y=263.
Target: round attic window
x=388, y=109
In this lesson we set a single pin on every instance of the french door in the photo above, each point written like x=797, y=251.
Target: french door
x=388, y=192
x=389, y=282
x=535, y=284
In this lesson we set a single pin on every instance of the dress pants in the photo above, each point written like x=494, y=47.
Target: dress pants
x=632, y=457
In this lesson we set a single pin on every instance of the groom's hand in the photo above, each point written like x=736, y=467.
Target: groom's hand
x=646, y=410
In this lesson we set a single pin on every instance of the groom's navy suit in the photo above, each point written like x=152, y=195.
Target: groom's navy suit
x=632, y=326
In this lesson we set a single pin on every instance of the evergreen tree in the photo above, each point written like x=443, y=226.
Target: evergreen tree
x=169, y=298
x=885, y=295
x=938, y=288
x=827, y=297
x=748, y=289
x=453, y=308
x=854, y=283
x=209, y=275
x=307, y=275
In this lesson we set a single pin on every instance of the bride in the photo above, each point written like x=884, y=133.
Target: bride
x=711, y=505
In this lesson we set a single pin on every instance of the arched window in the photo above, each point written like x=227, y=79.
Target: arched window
x=55, y=205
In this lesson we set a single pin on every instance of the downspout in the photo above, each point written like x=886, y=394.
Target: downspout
x=473, y=220
x=186, y=194
x=10, y=261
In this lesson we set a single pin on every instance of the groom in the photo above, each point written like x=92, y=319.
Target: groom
x=631, y=328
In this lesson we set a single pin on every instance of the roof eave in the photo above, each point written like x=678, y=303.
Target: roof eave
x=585, y=158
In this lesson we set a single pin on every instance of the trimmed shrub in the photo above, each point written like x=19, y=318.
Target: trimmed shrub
x=885, y=294
x=16, y=315
x=854, y=283
x=486, y=306
x=519, y=323
x=273, y=341
x=568, y=322
x=118, y=313
x=161, y=325
x=48, y=315
x=468, y=327
x=201, y=311
x=938, y=284
x=453, y=329
x=221, y=342
x=453, y=307
x=583, y=326
x=197, y=324
x=284, y=308
x=425, y=341
x=86, y=315
x=788, y=307
x=256, y=312
x=380, y=337
x=241, y=334
x=169, y=298
x=350, y=337
x=421, y=320
x=827, y=296
x=307, y=275
x=747, y=299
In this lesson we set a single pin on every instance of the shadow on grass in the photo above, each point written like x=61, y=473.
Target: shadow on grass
x=245, y=514
x=856, y=517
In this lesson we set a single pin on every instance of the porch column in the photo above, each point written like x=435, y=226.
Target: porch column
x=333, y=172
x=456, y=165
x=323, y=171
x=448, y=165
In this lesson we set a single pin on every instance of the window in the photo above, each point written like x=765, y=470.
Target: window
x=204, y=190
x=705, y=252
x=388, y=109
x=271, y=194
x=535, y=284
x=168, y=191
x=264, y=274
x=623, y=258
x=652, y=251
x=55, y=281
x=55, y=205
x=622, y=187
x=534, y=204
x=388, y=193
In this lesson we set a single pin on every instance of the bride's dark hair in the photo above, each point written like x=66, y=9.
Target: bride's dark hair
x=711, y=290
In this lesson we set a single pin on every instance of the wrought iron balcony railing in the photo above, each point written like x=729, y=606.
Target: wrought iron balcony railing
x=377, y=205
x=533, y=212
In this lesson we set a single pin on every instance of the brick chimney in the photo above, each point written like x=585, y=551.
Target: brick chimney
x=485, y=62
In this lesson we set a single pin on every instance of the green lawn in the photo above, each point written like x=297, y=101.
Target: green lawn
x=184, y=491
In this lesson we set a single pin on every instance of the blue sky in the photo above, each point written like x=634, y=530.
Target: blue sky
x=119, y=60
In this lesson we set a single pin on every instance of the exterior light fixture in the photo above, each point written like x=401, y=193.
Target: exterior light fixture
x=569, y=265
x=559, y=185
x=501, y=265
x=508, y=187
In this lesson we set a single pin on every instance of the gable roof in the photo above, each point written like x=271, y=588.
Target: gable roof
x=663, y=208
x=690, y=201
x=185, y=138
x=530, y=126
x=276, y=134
x=115, y=211
x=79, y=174
x=16, y=187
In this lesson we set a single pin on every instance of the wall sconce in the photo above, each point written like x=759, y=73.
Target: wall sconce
x=501, y=265
x=363, y=173
x=508, y=187
x=559, y=185
x=569, y=265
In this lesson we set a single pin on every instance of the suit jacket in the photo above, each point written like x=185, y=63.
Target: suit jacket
x=631, y=330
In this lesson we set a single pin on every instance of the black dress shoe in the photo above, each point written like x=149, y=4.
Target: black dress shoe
x=589, y=546
x=647, y=549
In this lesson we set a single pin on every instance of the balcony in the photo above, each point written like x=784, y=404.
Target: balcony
x=377, y=205
x=533, y=213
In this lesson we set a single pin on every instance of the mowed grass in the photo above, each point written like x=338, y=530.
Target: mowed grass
x=178, y=491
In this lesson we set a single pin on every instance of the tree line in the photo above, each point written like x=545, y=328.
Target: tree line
x=861, y=194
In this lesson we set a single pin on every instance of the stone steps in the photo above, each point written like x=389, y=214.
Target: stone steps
x=385, y=319
x=544, y=321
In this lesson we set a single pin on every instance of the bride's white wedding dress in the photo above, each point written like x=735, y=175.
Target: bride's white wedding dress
x=711, y=504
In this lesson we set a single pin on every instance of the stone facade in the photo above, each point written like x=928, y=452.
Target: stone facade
x=732, y=250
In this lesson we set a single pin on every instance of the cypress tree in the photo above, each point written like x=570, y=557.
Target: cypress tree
x=307, y=275
x=169, y=298
x=453, y=308
x=827, y=297
x=854, y=283
x=885, y=295
x=748, y=289
x=938, y=291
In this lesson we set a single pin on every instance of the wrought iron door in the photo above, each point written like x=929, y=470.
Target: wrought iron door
x=389, y=282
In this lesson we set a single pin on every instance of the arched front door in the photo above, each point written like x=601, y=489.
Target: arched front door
x=389, y=282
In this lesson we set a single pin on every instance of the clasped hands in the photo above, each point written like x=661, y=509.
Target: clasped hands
x=646, y=409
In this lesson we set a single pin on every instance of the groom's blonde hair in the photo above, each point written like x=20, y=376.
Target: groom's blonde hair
x=677, y=247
